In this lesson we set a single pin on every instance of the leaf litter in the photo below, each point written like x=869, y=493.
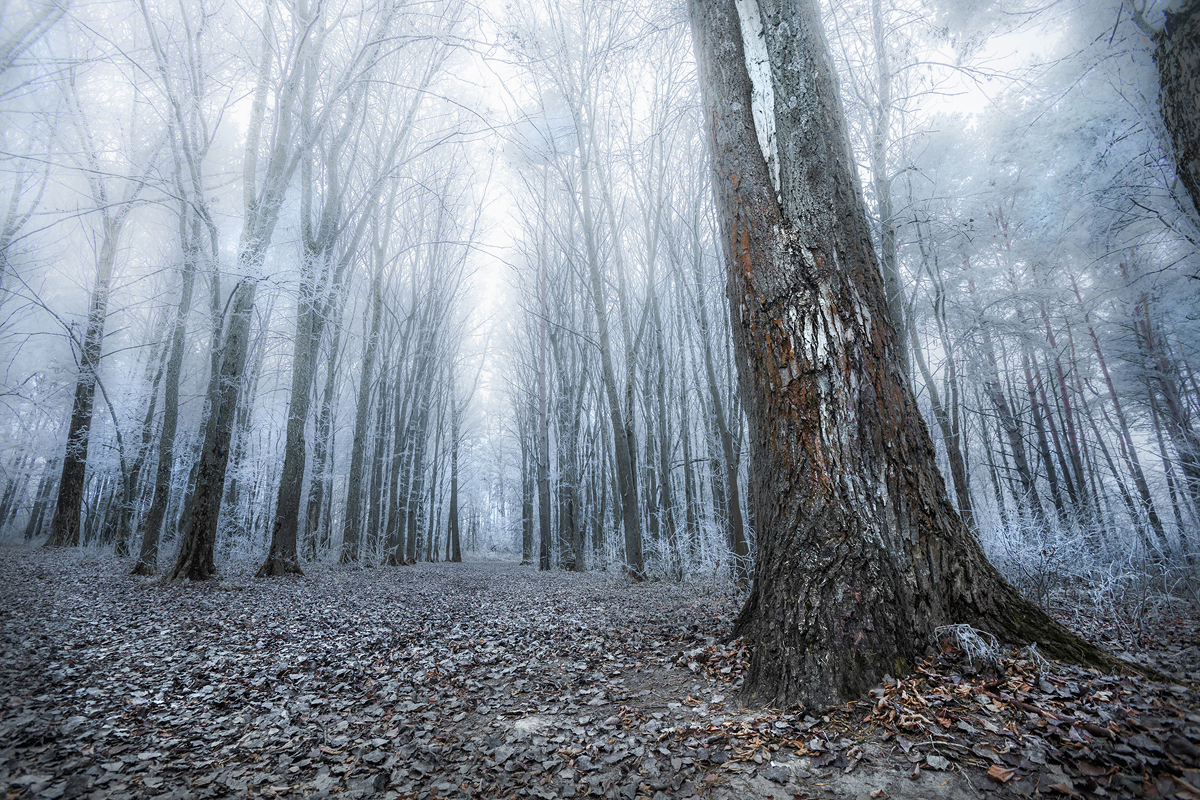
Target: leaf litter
x=488, y=679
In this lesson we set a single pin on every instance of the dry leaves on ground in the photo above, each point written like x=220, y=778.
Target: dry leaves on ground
x=494, y=680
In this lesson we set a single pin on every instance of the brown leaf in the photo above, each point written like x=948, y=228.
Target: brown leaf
x=999, y=773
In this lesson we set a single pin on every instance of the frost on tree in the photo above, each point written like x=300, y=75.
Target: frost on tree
x=861, y=554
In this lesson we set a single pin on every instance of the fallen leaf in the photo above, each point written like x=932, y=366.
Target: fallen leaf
x=1001, y=774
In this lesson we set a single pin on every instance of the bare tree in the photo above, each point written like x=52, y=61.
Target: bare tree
x=113, y=205
x=860, y=552
x=298, y=42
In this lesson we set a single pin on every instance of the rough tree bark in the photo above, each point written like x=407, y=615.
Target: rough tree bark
x=1177, y=56
x=860, y=552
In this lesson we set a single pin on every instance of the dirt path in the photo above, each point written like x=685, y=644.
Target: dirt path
x=483, y=679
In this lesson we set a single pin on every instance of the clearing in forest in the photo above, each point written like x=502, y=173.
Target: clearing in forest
x=490, y=679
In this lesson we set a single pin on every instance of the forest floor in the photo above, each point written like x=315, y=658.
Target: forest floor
x=489, y=679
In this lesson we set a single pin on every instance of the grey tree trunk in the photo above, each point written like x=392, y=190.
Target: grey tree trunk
x=543, y=427
x=262, y=201
x=454, y=539
x=731, y=501
x=526, y=503
x=860, y=552
x=132, y=472
x=351, y=530
x=147, y=562
x=1174, y=408
x=1128, y=447
x=315, y=534
x=881, y=129
x=1177, y=57
x=199, y=526
x=667, y=506
x=42, y=501
x=283, y=557
x=64, y=528
x=631, y=520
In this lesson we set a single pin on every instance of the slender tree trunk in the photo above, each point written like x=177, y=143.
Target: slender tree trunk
x=1126, y=437
x=1009, y=422
x=881, y=128
x=15, y=487
x=433, y=519
x=351, y=530
x=667, y=505
x=527, y=488
x=317, y=492
x=1168, y=467
x=147, y=563
x=543, y=428
x=631, y=518
x=64, y=528
x=283, y=557
x=1069, y=479
x=45, y=490
x=1039, y=427
x=454, y=543
x=860, y=553
x=950, y=437
x=133, y=471
x=402, y=457
x=1174, y=406
x=691, y=518
x=731, y=502
x=1074, y=445
x=416, y=491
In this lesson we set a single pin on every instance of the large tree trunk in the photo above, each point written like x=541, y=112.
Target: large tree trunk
x=1177, y=57
x=262, y=201
x=860, y=552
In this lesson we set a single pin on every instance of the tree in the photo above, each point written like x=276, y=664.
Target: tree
x=114, y=213
x=860, y=552
x=1177, y=56
x=305, y=36
x=331, y=243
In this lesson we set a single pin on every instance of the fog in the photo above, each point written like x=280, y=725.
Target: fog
x=375, y=283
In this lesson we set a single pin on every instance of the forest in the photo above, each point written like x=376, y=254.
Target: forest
x=615, y=397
